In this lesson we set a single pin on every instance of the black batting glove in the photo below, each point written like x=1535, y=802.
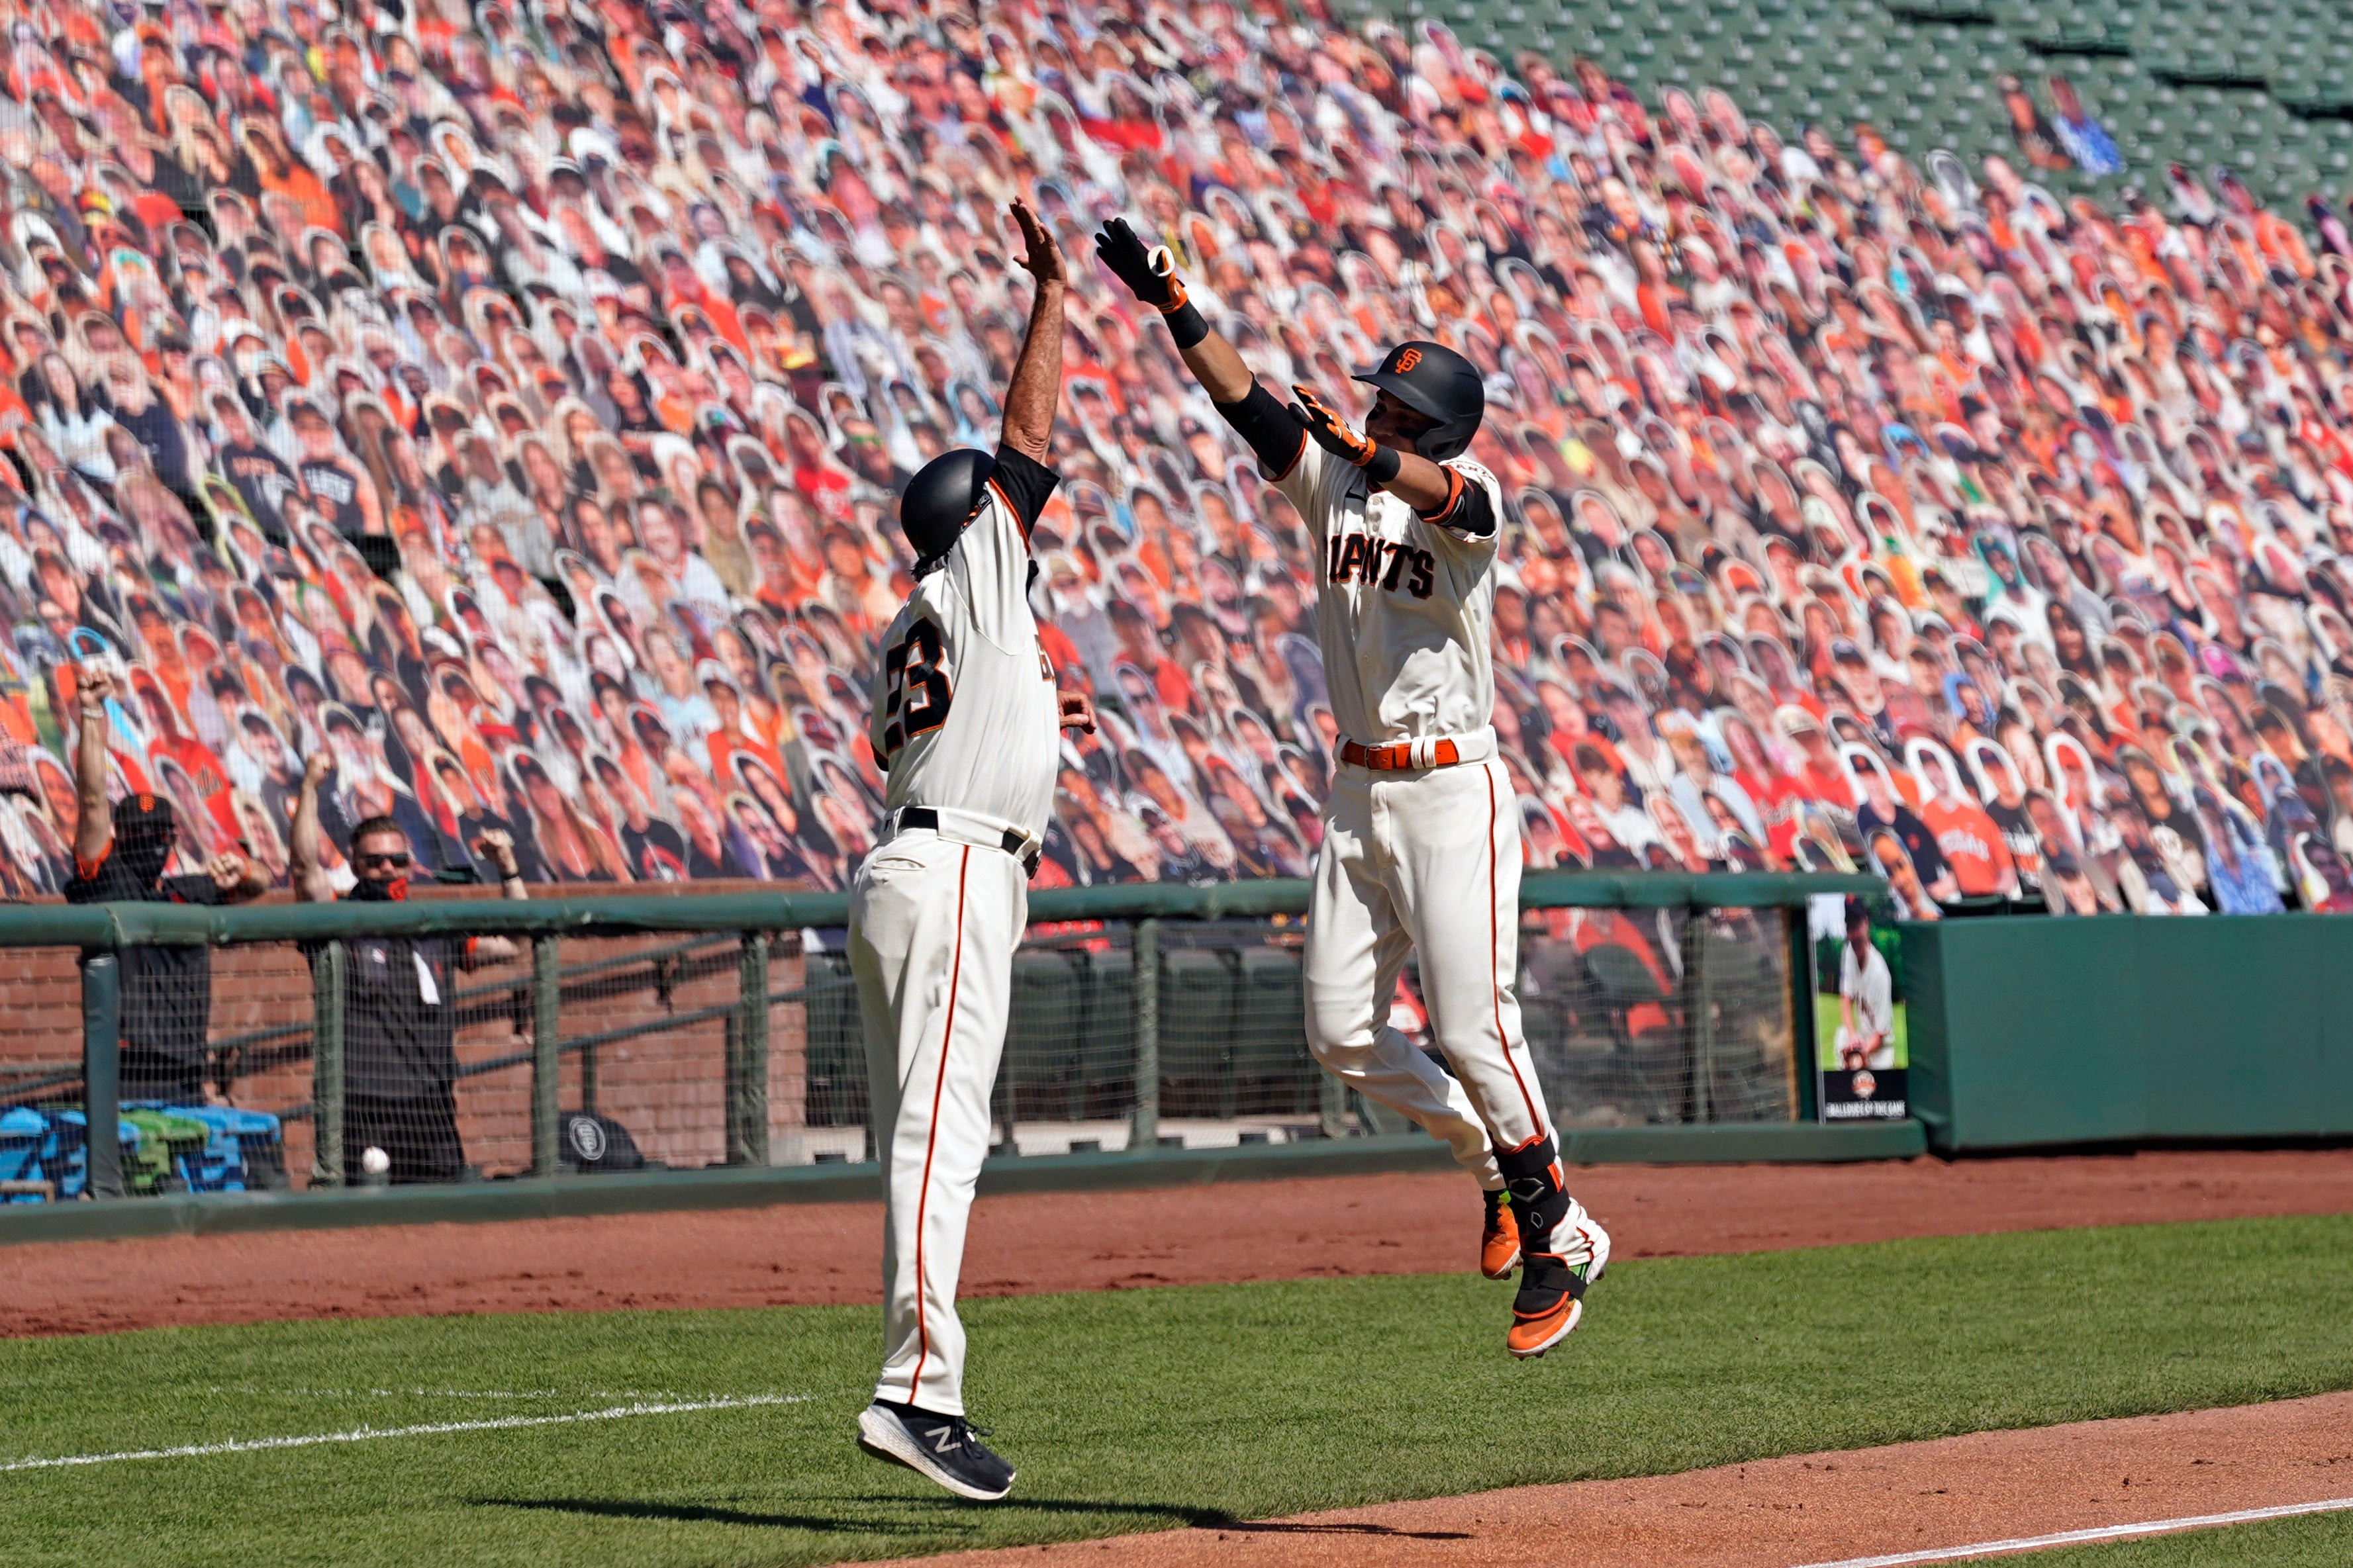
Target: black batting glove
x=1340, y=438
x=1150, y=274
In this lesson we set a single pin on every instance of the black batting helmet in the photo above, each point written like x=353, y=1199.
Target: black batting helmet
x=1433, y=379
x=940, y=499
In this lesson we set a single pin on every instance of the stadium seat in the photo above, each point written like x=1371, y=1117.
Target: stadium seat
x=1270, y=1065
x=1043, y=1035
x=1197, y=1032
x=1106, y=1065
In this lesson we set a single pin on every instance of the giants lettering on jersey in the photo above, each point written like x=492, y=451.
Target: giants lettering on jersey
x=1382, y=563
x=330, y=483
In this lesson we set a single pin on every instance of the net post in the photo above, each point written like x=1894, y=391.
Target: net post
x=101, y=1071
x=1144, y=1129
x=546, y=997
x=1699, y=1015
x=328, y=961
x=1802, y=1045
x=747, y=1061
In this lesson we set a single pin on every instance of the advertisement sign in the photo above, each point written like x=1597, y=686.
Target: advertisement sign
x=1859, y=1051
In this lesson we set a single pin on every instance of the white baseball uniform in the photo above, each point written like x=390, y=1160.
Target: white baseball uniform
x=966, y=720
x=1424, y=858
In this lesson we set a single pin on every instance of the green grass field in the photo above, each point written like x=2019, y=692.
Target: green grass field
x=1131, y=1410
x=2313, y=1541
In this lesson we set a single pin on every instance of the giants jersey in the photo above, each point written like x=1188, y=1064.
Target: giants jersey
x=965, y=717
x=1405, y=606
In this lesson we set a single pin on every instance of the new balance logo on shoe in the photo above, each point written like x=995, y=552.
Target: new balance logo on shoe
x=946, y=1449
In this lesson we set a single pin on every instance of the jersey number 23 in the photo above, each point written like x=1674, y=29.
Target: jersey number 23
x=919, y=694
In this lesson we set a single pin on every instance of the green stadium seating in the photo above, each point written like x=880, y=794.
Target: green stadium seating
x=2264, y=89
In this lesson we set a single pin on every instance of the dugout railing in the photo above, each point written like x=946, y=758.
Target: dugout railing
x=722, y=1029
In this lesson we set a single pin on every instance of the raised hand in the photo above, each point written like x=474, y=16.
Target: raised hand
x=1150, y=274
x=1330, y=432
x=92, y=687
x=315, y=768
x=496, y=845
x=227, y=871
x=1041, y=258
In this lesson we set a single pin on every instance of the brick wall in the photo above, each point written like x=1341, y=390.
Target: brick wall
x=667, y=1087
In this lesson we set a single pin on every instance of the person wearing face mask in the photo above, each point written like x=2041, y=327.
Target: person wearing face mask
x=120, y=855
x=399, y=1025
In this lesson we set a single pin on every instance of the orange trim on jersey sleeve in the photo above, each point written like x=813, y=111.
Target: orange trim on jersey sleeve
x=1290, y=467
x=1453, y=498
x=87, y=870
x=1025, y=524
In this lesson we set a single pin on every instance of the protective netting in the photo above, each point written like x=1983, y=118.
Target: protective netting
x=651, y=1065
x=174, y=1131
x=43, y=1133
x=436, y=1051
x=1632, y=1016
x=1661, y=1015
x=219, y=1086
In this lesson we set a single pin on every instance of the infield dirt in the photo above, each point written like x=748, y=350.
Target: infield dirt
x=1808, y=1507
x=1032, y=1243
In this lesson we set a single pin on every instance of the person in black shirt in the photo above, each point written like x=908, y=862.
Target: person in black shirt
x=400, y=1066
x=119, y=853
x=341, y=488
x=260, y=475
x=1880, y=808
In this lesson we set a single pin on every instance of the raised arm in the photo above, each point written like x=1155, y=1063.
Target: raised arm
x=93, y=822
x=497, y=845
x=303, y=870
x=1256, y=414
x=1036, y=389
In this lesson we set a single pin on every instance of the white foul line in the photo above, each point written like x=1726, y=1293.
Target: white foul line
x=2104, y=1533
x=370, y=1433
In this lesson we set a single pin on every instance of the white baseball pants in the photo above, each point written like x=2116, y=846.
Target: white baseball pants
x=932, y=926
x=1426, y=861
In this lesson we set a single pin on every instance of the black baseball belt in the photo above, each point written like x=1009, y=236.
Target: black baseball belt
x=1017, y=845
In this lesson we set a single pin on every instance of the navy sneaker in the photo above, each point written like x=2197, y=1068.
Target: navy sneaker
x=946, y=1448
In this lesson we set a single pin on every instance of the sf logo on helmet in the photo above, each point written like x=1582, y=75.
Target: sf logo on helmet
x=1405, y=360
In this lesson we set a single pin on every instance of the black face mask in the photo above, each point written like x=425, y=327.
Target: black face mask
x=367, y=892
x=143, y=837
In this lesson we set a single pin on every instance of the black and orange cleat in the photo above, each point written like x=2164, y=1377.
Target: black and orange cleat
x=1499, y=1242
x=1551, y=1299
x=1561, y=1250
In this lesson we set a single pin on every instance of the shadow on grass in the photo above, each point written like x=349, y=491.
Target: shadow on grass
x=701, y=1513
x=1174, y=1513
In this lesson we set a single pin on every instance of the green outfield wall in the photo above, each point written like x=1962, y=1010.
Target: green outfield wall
x=2117, y=1029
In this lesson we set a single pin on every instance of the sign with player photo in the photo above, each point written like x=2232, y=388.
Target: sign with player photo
x=1860, y=1054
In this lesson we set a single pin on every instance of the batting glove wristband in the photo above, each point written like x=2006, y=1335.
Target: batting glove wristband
x=1336, y=435
x=1151, y=276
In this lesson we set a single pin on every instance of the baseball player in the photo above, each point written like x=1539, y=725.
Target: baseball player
x=1422, y=831
x=966, y=720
